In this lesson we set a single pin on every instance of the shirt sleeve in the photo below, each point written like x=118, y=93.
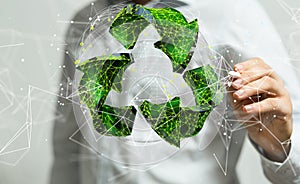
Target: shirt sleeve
x=289, y=170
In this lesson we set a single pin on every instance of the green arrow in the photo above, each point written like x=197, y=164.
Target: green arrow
x=172, y=122
x=100, y=76
x=178, y=36
x=206, y=88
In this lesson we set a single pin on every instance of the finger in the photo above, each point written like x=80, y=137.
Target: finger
x=265, y=85
x=250, y=76
x=249, y=64
x=238, y=104
x=252, y=70
x=267, y=105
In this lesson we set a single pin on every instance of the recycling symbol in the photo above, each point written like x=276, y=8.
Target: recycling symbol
x=169, y=120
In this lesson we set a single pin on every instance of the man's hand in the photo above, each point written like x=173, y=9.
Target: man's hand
x=263, y=105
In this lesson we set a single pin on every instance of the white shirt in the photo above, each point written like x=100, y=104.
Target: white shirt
x=242, y=28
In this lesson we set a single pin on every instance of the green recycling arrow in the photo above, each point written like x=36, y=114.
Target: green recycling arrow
x=103, y=74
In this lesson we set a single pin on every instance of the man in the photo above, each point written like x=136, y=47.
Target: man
x=268, y=120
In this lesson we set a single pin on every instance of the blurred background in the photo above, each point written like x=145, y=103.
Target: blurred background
x=31, y=55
